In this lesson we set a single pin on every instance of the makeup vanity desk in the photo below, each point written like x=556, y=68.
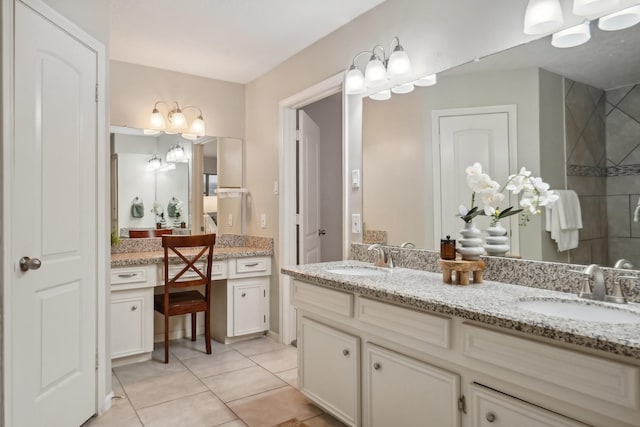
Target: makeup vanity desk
x=239, y=298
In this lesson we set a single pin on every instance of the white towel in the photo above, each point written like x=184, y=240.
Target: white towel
x=636, y=214
x=564, y=219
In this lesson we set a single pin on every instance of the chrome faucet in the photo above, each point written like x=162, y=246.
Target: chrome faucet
x=408, y=245
x=592, y=273
x=381, y=259
x=623, y=263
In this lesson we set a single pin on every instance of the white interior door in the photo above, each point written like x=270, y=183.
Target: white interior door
x=485, y=135
x=309, y=197
x=53, y=203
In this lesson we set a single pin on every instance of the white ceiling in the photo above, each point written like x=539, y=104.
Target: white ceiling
x=231, y=40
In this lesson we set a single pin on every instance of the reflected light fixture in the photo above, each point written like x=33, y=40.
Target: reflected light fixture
x=154, y=163
x=573, y=36
x=428, y=80
x=383, y=95
x=403, y=88
x=592, y=7
x=379, y=70
x=620, y=20
x=175, y=122
x=542, y=16
x=176, y=153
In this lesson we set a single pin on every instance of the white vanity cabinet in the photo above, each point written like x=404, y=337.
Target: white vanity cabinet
x=493, y=409
x=330, y=369
x=240, y=306
x=402, y=391
x=132, y=312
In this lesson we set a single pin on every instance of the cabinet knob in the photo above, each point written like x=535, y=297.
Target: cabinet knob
x=377, y=366
x=244, y=294
x=345, y=352
x=134, y=307
x=491, y=417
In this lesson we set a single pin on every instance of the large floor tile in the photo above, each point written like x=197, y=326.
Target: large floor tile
x=278, y=361
x=257, y=346
x=118, y=391
x=290, y=377
x=185, y=349
x=273, y=407
x=202, y=409
x=121, y=414
x=324, y=420
x=234, y=423
x=207, y=365
x=129, y=374
x=163, y=389
x=242, y=383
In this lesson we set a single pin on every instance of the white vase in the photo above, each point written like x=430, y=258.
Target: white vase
x=470, y=246
x=497, y=241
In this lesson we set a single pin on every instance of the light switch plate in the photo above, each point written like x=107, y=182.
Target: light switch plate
x=356, y=224
x=263, y=220
x=355, y=178
x=276, y=188
x=230, y=220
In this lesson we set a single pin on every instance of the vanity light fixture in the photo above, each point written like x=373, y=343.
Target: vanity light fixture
x=542, y=16
x=573, y=36
x=154, y=163
x=175, y=153
x=177, y=121
x=620, y=20
x=383, y=95
x=379, y=70
x=403, y=88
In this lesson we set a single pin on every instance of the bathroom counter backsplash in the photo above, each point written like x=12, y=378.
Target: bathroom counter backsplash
x=149, y=251
x=490, y=302
x=534, y=274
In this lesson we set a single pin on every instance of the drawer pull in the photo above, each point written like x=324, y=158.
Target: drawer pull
x=345, y=352
x=134, y=307
x=244, y=294
x=127, y=275
x=377, y=366
x=491, y=417
x=251, y=264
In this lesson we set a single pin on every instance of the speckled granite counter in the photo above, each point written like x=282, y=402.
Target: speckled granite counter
x=157, y=257
x=492, y=303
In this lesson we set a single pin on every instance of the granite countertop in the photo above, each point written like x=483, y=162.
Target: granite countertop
x=157, y=257
x=492, y=303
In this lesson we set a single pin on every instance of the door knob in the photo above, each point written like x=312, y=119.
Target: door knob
x=27, y=263
x=322, y=232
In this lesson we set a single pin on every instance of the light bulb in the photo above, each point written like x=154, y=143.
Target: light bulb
x=177, y=119
x=542, y=16
x=375, y=72
x=197, y=126
x=156, y=121
x=399, y=65
x=620, y=20
x=572, y=37
x=354, y=81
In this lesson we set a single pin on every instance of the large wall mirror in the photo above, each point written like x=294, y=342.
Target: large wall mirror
x=148, y=188
x=578, y=126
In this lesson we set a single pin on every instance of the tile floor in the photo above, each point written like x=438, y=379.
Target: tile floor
x=250, y=383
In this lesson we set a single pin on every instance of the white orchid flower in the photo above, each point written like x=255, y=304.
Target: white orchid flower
x=462, y=209
x=491, y=199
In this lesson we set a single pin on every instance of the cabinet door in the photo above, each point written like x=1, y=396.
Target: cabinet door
x=131, y=322
x=249, y=311
x=494, y=409
x=400, y=391
x=329, y=369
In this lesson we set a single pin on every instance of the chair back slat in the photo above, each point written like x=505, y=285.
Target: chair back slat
x=192, y=261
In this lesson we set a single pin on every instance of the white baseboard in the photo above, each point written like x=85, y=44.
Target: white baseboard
x=274, y=336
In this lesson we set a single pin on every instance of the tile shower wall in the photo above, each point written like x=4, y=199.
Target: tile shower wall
x=587, y=168
x=623, y=172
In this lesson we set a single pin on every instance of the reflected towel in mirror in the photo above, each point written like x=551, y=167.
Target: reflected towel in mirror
x=137, y=208
x=564, y=219
x=636, y=214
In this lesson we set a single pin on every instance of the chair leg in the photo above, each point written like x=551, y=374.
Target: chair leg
x=193, y=326
x=166, y=338
x=207, y=330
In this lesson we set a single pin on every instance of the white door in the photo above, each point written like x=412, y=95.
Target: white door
x=53, y=203
x=485, y=135
x=309, y=197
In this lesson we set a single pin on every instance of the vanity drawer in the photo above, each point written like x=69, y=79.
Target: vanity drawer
x=321, y=300
x=249, y=267
x=412, y=328
x=218, y=271
x=542, y=364
x=133, y=277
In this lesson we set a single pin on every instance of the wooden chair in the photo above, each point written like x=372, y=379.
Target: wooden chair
x=152, y=232
x=190, y=301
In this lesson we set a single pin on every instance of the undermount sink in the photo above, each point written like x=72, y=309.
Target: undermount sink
x=579, y=310
x=356, y=270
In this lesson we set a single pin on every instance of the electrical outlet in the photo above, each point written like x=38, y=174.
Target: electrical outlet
x=230, y=220
x=263, y=220
x=356, y=224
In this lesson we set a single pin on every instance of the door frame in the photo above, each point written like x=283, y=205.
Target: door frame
x=103, y=364
x=436, y=115
x=287, y=216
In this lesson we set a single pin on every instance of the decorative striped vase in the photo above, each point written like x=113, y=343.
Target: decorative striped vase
x=470, y=246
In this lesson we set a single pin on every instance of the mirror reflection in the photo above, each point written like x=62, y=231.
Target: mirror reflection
x=577, y=126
